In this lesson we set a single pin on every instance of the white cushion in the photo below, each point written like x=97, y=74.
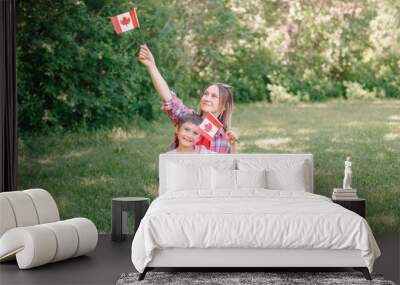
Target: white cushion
x=87, y=233
x=223, y=179
x=67, y=240
x=293, y=180
x=26, y=208
x=251, y=178
x=248, y=162
x=282, y=174
x=187, y=176
x=23, y=208
x=7, y=218
x=223, y=175
x=33, y=245
x=46, y=207
x=231, y=180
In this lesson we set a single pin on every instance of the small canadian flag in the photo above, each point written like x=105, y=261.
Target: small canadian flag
x=209, y=126
x=125, y=22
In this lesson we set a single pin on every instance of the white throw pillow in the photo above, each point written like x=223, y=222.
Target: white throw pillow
x=251, y=179
x=282, y=174
x=183, y=177
x=223, y=179
x=292, y=180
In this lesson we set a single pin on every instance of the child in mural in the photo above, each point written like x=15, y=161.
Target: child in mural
x=216, y=99
x=187, y=135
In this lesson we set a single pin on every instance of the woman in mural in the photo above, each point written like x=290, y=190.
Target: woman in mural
x=217, y=99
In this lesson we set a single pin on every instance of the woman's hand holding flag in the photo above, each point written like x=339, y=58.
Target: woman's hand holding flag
x=233, y=137
x=146, y=57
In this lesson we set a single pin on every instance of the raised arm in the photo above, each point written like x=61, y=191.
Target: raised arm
x=147, y=59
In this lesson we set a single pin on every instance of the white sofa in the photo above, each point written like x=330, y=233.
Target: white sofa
x=31, y=231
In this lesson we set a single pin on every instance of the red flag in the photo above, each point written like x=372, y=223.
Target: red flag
x=205, y=142
x=209, y=126
x=125, y=22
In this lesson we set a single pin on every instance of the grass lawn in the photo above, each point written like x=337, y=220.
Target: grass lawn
x=84, y=170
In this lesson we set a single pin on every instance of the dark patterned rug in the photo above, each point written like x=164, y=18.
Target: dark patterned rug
x=225, y=278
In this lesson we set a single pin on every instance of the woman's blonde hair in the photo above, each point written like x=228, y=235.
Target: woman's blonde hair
x=225, y=102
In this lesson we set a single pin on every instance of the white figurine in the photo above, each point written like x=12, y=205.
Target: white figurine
x=347, y=174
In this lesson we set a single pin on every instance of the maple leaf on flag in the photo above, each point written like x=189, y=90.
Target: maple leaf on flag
x=125, y=22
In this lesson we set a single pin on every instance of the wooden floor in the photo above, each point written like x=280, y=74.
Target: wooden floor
x=110, y=260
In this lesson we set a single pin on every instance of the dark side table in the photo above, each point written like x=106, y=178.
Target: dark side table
x=358, y=206
x=120, y=208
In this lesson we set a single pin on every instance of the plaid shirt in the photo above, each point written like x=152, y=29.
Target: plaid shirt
x=176, y=109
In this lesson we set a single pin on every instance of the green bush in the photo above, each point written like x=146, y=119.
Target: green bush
x=249, y=74
x=74, y=71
